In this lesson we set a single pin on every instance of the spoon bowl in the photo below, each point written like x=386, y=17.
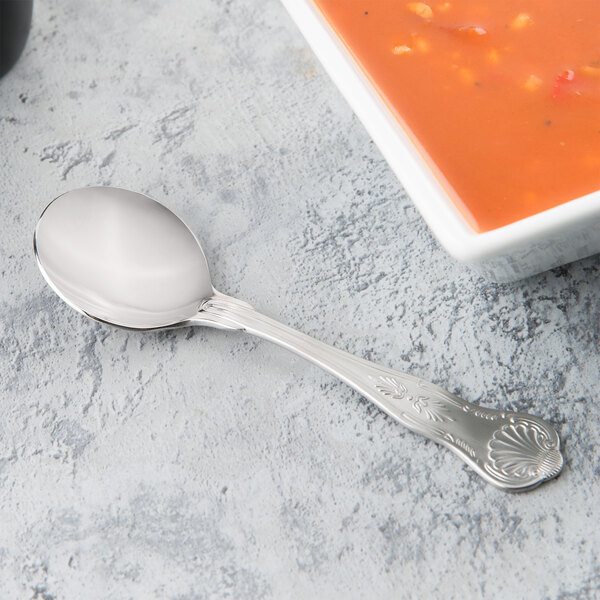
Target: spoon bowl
x=122, y=258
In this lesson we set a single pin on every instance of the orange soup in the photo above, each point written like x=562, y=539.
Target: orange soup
x=502, y=96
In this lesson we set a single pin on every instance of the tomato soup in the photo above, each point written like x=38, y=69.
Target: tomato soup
x=501, y=96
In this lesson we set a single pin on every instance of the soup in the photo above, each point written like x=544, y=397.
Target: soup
x=502, y=98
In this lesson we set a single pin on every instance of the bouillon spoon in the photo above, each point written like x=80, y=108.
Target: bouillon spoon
x=124, y=259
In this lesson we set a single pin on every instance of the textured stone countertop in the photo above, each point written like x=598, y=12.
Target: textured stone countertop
x=201, y=463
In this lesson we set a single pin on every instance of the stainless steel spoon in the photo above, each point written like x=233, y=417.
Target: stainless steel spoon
x=121, y=258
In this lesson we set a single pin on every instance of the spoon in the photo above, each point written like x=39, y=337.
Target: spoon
x=122, y=258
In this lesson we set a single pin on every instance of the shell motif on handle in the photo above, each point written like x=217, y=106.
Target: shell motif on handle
x=524, y=450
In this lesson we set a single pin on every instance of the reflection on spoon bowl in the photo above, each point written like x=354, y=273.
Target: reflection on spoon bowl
x=120, y=257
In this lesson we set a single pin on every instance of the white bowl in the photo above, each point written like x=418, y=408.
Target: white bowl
x=547, y=239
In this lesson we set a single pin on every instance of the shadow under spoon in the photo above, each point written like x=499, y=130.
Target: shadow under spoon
x=124, y=259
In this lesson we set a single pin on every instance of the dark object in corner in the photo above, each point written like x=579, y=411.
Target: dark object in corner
x=15, y=19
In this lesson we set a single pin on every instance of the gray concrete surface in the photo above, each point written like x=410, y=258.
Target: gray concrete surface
x=206, y=464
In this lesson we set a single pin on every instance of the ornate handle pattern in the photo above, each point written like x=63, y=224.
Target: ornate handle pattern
x=513, y=451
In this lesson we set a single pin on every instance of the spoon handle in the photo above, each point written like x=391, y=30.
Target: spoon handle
x=514, y=451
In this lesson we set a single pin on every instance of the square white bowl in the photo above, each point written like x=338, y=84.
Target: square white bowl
x=547, y=239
